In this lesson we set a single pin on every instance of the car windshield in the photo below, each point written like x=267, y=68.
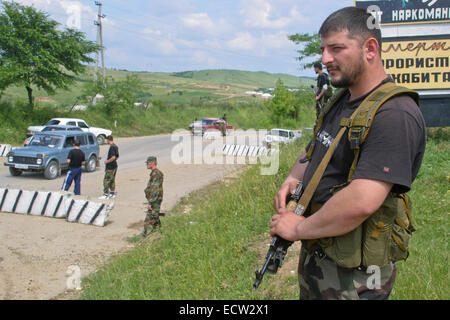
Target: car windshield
x=46, y=141
x=280, y=133
x=52, y=122
x=207, y=121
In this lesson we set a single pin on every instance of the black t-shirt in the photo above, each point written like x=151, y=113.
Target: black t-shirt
x=112, y=152
x=322, y=80
x=76, y=157
x=392, y=151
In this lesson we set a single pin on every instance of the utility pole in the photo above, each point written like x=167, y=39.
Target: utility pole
x=98, y=23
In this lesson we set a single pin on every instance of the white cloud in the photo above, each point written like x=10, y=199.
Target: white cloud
x=66, y=12
x=197, y=20
x=243, y=41
x=202, y=57
x=201, y=22
x=246, y=41
x=166, y=47
x=151, y=31
x=259, y=14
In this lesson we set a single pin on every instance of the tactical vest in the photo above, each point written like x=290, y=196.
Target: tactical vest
x=384, y=236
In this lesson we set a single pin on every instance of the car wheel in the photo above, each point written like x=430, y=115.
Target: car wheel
x=91, y=165
x=101, y=139
x=15, y=172
x=52, y=170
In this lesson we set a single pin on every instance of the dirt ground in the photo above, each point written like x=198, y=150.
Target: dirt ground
x=37, y=252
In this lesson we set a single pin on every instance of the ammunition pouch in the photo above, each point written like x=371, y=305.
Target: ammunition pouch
x=381, y=239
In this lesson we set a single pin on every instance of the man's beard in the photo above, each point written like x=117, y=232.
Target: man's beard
x=348, y=78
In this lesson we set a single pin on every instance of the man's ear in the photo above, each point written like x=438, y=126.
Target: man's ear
x=371, y=49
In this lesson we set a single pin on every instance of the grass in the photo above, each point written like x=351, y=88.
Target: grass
x=425, y=274
x=214, y=240
x=204, y=251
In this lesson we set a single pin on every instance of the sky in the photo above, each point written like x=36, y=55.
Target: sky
x=184, y=35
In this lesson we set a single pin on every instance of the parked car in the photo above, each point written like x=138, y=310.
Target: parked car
x=277, y=135
x=61, y=128
x=53, y=128
x=47, y=153
x=206, y=124
x=99, y=133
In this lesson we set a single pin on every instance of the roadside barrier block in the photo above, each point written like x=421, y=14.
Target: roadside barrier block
x=247, y=151
x=4, y=149
x=88, y=212
x=55, y=205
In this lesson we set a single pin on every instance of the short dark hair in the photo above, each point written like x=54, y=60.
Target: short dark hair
x=318, y=65
x=356, y=21
x=77, y=143
x=110, y=138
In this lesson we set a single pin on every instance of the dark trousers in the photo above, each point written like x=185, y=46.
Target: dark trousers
x=74, y=174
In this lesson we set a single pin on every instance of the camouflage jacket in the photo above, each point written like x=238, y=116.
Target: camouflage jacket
x=154, y=190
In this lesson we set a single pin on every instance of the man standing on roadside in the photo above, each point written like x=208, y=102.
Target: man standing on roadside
x=323, y=84
x=154, y=194
x=75, y=159
x=109, y=184
x=357, y=207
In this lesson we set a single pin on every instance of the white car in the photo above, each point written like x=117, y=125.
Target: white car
x=277, y=135
x=99, y=133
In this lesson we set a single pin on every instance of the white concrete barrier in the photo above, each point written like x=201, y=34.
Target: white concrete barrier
x=247, y=151
x=54, y=205
x=88, y=212
x=4, y=149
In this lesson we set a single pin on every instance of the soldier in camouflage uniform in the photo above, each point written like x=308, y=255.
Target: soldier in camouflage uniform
x=332, y=264
x=154, y=195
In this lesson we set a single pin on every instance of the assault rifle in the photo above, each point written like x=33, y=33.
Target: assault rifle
x=279, y=246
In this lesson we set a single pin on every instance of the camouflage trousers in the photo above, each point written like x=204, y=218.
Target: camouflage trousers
x=109, y=181
x=152, y=220
x=320, y=278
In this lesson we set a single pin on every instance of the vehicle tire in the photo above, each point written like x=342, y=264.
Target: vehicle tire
x=15, y=172
x=52, y=171
x=101, y=139
x=91, y=164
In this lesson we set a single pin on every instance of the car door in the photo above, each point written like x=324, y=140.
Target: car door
x=83, y=126
x=67, y=146
x=85, y=146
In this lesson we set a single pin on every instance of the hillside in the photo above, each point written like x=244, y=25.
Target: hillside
x=228, y=77
x=176, y=88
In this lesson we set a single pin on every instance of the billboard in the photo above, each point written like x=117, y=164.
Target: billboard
x=391, y=12
x=418, y=64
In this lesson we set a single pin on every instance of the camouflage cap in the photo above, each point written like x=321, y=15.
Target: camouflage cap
x=151, y=159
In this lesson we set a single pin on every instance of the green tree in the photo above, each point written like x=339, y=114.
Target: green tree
x=33, y=52
x=120, y=95
x=282, y=104
x=310, y=47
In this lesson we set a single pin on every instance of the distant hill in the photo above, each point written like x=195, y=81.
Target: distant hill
x=176, y=88
x=229, y=77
